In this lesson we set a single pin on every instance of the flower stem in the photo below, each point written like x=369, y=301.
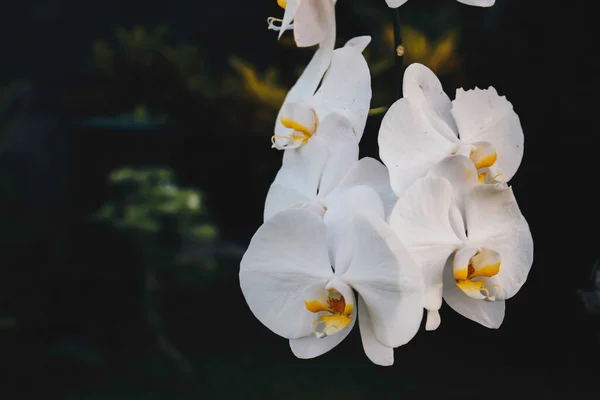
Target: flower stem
x=398, y=53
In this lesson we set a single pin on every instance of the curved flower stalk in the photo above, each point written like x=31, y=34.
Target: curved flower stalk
x=424, y=127
x=478, y=3
x=313, y=20
x=295, y=289
x=345, y=90
x=474, y=265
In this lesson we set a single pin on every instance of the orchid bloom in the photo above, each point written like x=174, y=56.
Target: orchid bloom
x=424, y=127
x=313, y=20
x=473, y=261
x=478, y=3
x=296, y=289
x=345, y=90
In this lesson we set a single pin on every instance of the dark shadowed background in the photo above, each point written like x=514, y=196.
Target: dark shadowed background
x=134, y=163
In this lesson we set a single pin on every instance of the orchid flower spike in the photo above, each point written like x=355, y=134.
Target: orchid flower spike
x=313, y=20
x=478, y=3
x=295, y=287
x=424, y=127
x=473, y=261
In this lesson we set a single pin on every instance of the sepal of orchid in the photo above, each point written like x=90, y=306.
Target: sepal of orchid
x=346, y=88
x=314, y=20
x=377, y=352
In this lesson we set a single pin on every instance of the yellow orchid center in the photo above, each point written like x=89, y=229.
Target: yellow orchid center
x=338, y=316
x=282, y=3
x=301, y=119
x=483, y=155
x=471, y=277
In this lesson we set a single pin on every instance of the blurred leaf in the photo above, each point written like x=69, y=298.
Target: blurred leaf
x=265, y=90
x=204, y=232
x=377, y=110
x=439, y=56
x=148, y=201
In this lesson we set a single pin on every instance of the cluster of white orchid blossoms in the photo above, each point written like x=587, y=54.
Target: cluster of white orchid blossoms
x=346, y=238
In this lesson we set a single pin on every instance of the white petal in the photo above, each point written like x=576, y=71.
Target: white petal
x=313, y=21
x=313, y=206
x=483, y=115
x=309, y=81
x=343, y=206
x=370, y=172
x=285, y=264
x=388, y=279
x=495, y=221
x=281, y=198
x=424, y=91
x=346, y=88
x=298, y=178
x=395, y=3
x=457, y=169
x=421, y=215
x=288, y=15
x=311, y=347
x=487, y=313
x=421, y=220
x=479, y=3
x=458, y=223
x=359, y=42
x=408, y=145
x=462, y=175
x=375, y=351
x=337, y=132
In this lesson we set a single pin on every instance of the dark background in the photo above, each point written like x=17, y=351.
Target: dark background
x=75, y=314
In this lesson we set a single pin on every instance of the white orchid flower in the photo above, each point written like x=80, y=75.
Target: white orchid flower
x=294, y=289
x=478, y=3
x=474, y=265
x=345, y=90
x=313, y=20
x=424, y=127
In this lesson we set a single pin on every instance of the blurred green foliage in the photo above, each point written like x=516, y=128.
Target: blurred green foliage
x=140, y=49
x=158, y=214
x=148, y=200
